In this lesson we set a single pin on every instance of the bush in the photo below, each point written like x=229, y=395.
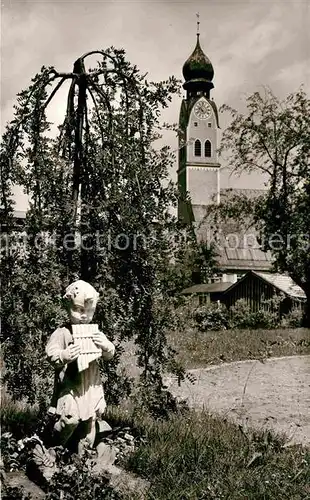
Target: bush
x=19, y=419
x=211, y=317
x=76, y=480
x=241, y=316
x=293, y=319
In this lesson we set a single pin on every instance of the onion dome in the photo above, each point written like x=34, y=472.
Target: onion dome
x=198, y=71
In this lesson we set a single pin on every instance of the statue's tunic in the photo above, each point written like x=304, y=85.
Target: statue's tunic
x=76, y=394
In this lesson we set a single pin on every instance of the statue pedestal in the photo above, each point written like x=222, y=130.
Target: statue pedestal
x=106, y=455
x=122, y=481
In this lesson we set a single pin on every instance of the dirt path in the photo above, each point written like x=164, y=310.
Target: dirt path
x=271, y=394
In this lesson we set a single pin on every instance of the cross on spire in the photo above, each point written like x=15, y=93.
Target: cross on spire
x=198, y=23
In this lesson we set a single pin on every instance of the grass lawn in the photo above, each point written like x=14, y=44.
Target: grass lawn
x=197, y=456
x=199, y=349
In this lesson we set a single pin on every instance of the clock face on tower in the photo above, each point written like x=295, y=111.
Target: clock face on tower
x=202, y=110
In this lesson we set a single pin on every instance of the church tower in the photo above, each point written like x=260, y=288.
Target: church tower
x=198, y=167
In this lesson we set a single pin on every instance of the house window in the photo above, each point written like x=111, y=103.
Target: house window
x=195, y=124
x=197, y=148
x=208, y=148
x=209, y=124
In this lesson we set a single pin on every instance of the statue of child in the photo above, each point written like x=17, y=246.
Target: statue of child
x=78, y=397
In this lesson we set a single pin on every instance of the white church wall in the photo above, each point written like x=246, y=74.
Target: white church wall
x=202, y=185
x=21, y=199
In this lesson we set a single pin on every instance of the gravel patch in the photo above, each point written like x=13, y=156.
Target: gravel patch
x=269, y=394
x=272, y=394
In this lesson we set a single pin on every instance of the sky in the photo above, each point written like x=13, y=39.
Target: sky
x=250, y=44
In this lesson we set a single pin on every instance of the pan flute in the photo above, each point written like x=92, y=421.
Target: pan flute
x=82, y=336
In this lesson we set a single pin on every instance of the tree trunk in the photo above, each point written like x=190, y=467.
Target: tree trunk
x=306, y=317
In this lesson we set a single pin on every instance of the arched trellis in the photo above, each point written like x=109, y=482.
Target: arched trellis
x=129, y=197
x=75, y=127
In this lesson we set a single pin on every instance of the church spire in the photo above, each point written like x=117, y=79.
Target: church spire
x=198, y=71
x=198, y=23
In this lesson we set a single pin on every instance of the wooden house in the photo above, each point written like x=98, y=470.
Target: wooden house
x=257, y=287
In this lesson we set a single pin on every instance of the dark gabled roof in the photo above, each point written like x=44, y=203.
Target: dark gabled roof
x=284, y=283
x=281, y=282
x=206, y=288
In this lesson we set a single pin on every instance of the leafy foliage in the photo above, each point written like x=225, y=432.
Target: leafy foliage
x=75, y=480
x=293, y=319
x=273, y=138
x=194, y=263
x=267, y=316
x=18, y=493
x=100, y=200
x=211, y=317
x=215, y=316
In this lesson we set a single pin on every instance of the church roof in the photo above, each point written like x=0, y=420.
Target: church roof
x=249, y=193
x=236, y=242
x=200, y=211
x=236, y=246
x=235, y=259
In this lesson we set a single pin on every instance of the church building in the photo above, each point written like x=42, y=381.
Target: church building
x=199, y=173
x=199, y=169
